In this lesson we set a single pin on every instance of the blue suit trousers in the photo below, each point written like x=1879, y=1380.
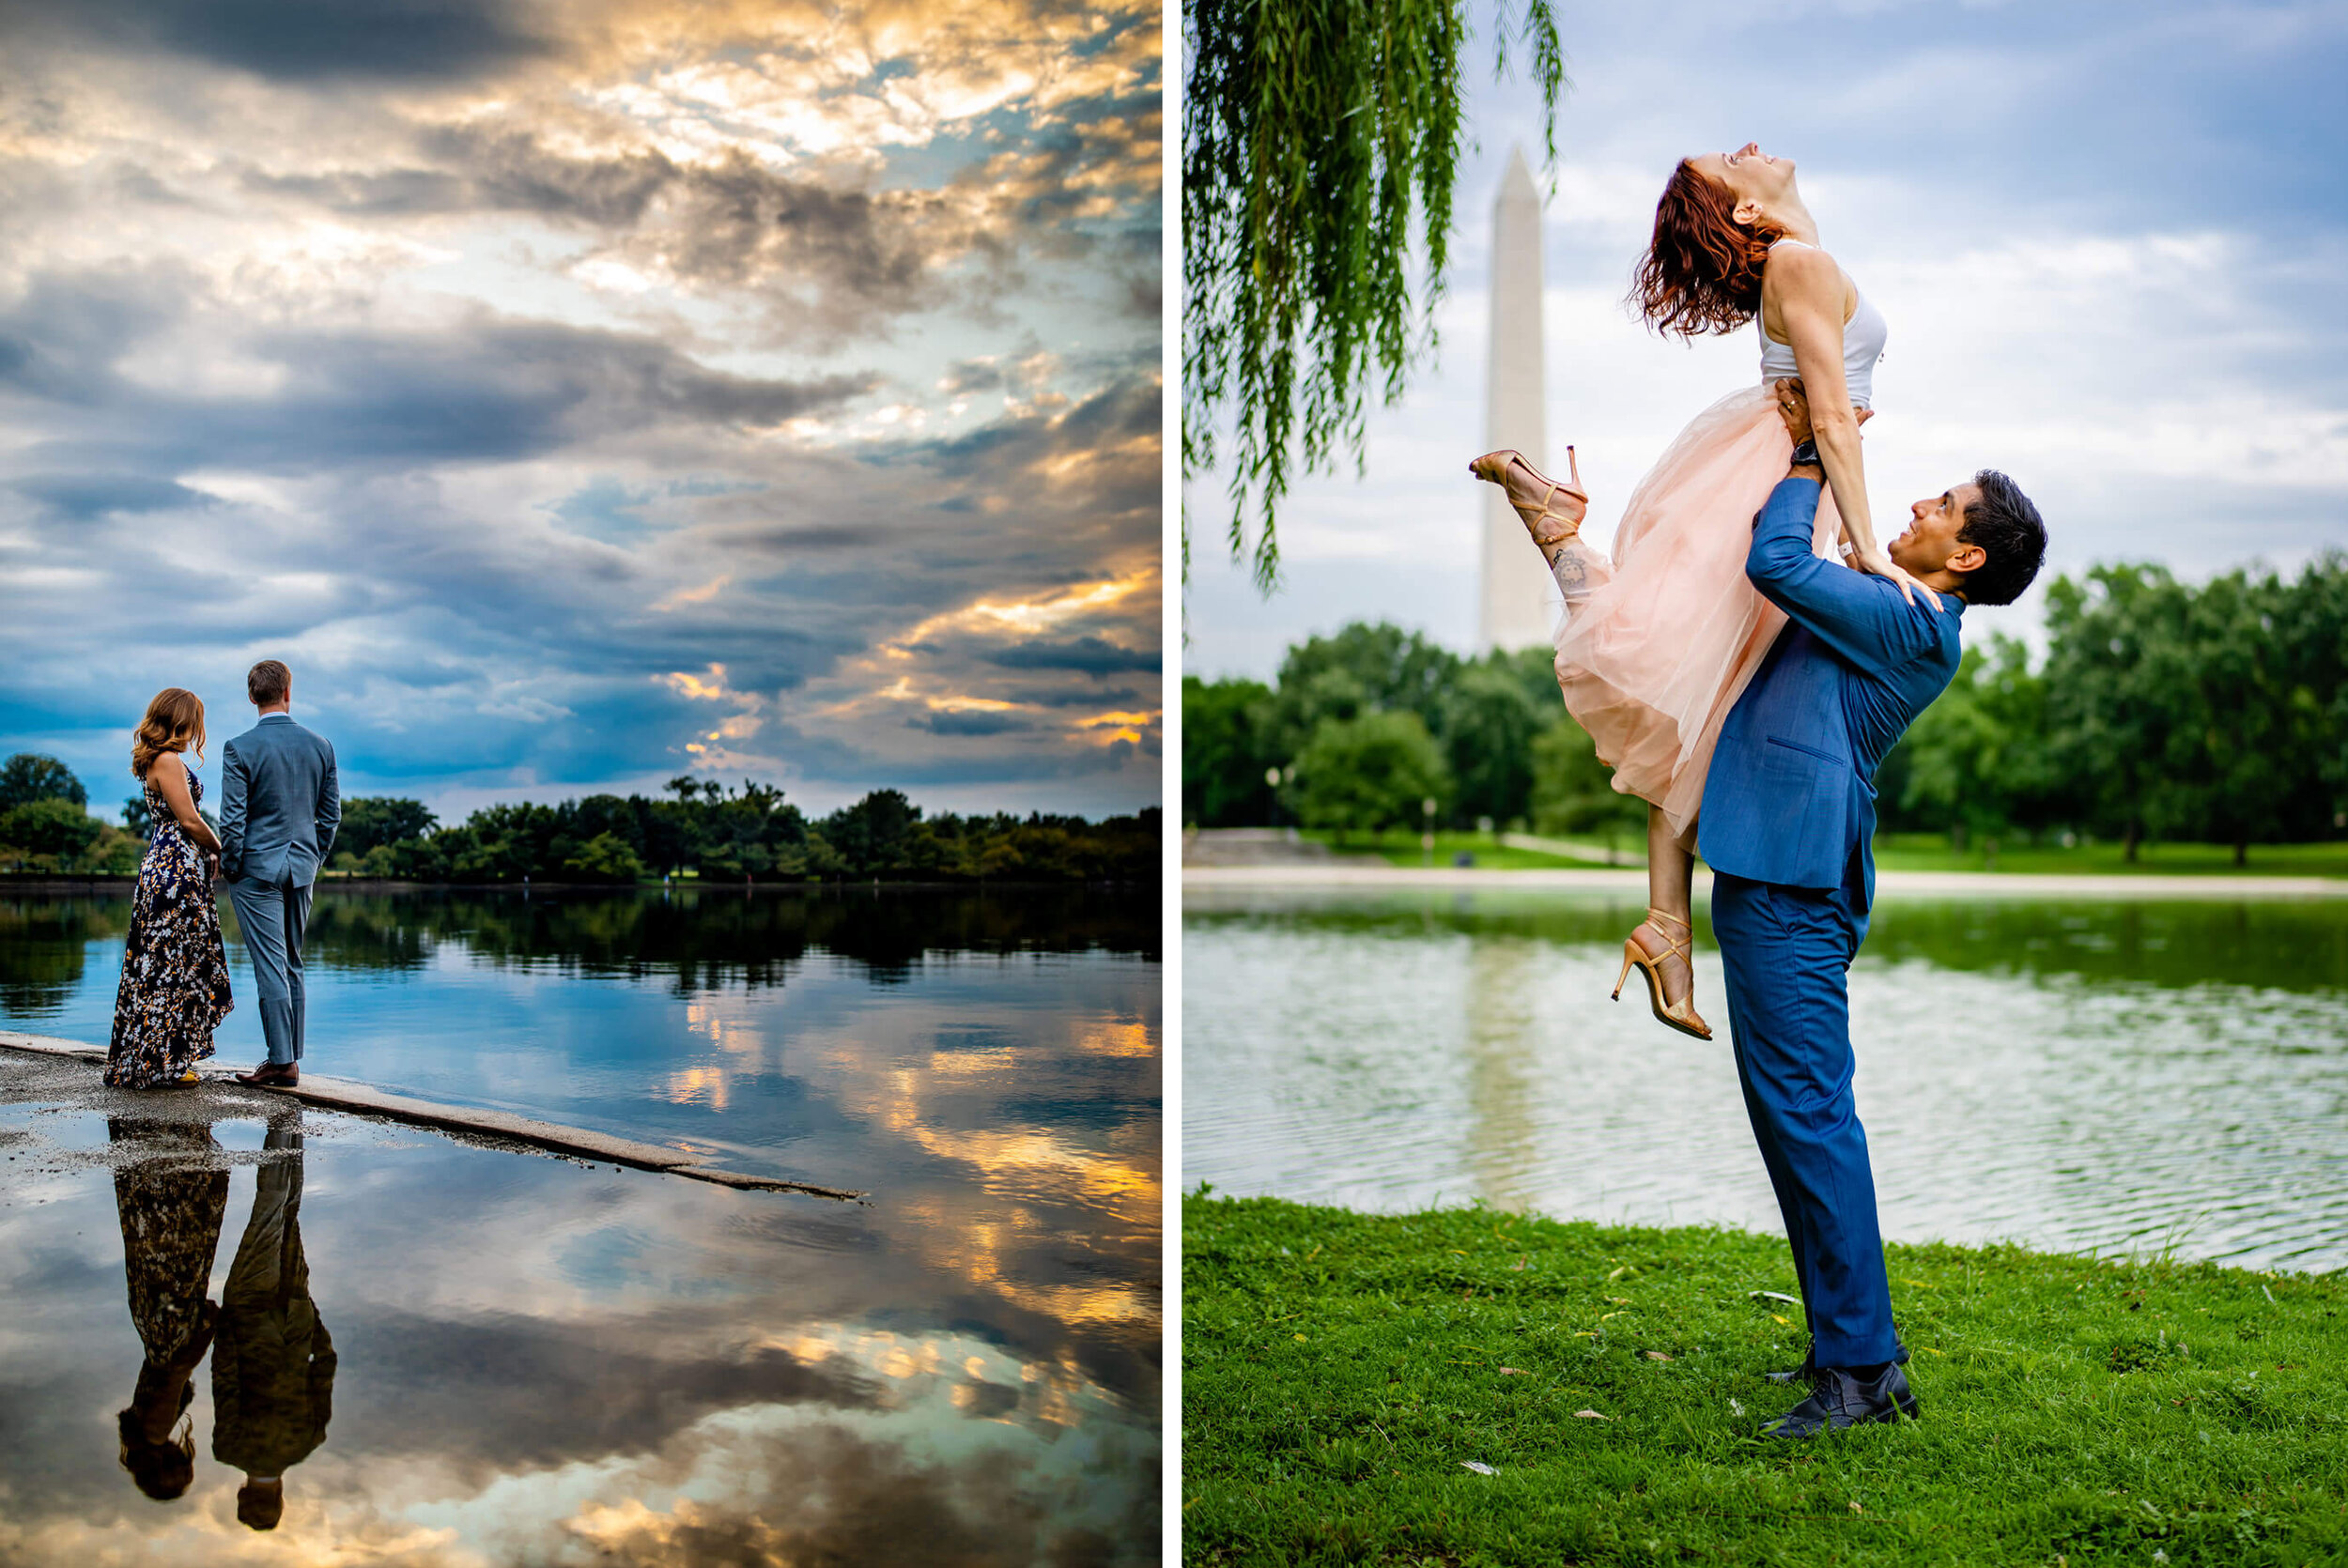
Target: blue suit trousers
x=1787, y=952
x=272, y=917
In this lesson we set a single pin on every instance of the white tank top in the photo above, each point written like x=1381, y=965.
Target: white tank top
x=1863, y=345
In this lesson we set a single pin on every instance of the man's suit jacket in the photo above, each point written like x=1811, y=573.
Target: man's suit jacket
x=1791, y=797
x=272, y=1380
x=279, y=804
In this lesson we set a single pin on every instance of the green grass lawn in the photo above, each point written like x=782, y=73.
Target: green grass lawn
x=1341, y=1371
x=1930, y=852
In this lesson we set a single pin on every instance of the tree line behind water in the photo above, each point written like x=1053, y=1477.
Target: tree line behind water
x=748, y=834
x=2159, y=711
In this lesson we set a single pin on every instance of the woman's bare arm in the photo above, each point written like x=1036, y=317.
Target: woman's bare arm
x=1805, y=286
x=171, y=783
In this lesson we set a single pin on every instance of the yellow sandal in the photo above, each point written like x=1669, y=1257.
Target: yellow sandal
x=1552, y=529
x=1680, y=1015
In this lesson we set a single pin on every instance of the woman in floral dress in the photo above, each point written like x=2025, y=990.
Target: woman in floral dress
x=174, y=973
x=171, y=1195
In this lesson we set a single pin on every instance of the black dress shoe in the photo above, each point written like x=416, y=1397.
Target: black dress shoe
x=1840, y=1399
x=271, y=1075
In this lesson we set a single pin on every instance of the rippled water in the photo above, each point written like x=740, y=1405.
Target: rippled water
x=537, y=1361
x=2122, y=1076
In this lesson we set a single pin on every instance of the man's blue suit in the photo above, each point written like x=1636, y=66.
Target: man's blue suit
x=1788, y=817
x=279, y=806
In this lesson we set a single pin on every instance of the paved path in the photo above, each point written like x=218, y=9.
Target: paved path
x=340, y=1094
x=1251, y=846
x=1931, y=884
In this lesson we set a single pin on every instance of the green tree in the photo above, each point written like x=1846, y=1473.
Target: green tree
x=1488, y=727
x=817, y=858
x=1573, y=792
x=606, y=857
x=415, y=859
x=1535, y=672
x=2310, y=626
x=1977, y=760
x=52, y=829
x=666, y=835
x=2241, y=753
x=1319, y=142
x=869, y=835
x=28, y=777
x=1364, y=667
x=1225, y=750
x=2119, y=668
x=113, y=853
x=503, y=843
x=1367, y=774
x=371, y=820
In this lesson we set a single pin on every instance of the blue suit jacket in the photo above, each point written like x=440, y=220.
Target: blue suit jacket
x=1791, y=797
x=279, y=804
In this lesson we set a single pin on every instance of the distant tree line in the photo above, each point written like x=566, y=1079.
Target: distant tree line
x=705, y=830
x=704, y=940
x=2159, y=710
x=45, y=822
x=1362, y=727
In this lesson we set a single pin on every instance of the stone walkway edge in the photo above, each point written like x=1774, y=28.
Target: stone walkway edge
x=336, y=1094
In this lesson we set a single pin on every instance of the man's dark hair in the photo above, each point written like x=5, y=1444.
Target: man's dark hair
x=268, y=682
x=2007, y=527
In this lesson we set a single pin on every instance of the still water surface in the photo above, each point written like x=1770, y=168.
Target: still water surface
x=533, y=1360
x=2127, y=1076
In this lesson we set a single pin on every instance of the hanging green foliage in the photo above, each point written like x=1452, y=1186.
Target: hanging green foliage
x=1317, y=136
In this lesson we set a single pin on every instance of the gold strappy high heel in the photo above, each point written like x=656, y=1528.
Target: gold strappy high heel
x=1680, y=1015
x=1552, y=529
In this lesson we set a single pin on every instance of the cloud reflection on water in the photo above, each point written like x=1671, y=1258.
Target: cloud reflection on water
x=549, y=1364
x=545, y=1363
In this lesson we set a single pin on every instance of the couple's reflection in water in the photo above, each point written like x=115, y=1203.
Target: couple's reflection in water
x=272, y=1364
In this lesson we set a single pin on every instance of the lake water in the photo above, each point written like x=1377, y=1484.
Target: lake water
x=2120, y=1076
x=535, y=1361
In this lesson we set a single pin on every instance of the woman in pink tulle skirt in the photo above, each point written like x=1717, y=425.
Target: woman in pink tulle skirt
x=1659, y=640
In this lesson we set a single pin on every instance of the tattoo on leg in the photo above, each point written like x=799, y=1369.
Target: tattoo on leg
x=1572, y=573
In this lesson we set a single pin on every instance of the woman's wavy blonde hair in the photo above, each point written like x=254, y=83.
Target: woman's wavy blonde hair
x=174, y=722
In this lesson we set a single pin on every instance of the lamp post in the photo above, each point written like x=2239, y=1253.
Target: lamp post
x=1427, y=836
x=1271, y=788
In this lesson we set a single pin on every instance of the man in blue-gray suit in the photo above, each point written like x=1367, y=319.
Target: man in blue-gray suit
x=1787, y=816
x=279, y=806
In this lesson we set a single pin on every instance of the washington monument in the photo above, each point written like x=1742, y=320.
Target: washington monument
x=1516, y=607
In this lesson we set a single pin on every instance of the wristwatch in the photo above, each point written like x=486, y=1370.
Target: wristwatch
x=1806, y=454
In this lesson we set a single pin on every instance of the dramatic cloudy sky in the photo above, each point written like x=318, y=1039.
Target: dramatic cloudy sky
x=575, y=392
x=2110, y=238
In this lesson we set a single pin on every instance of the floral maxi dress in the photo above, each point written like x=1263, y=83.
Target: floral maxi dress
x=175, y=972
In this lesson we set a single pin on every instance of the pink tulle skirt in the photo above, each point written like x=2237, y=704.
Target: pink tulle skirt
x=1670, y=632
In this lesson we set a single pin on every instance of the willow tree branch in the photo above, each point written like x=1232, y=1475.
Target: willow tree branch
x=1319, y=138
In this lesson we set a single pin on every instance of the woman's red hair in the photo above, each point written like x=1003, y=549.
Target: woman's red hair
x=1702, y=271
x=174, y=722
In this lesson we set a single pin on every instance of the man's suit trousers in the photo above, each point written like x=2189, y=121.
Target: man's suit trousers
x=272, y=917
x=1787, y=952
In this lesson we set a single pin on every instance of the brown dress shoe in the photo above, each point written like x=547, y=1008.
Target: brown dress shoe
x=271, y=1075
